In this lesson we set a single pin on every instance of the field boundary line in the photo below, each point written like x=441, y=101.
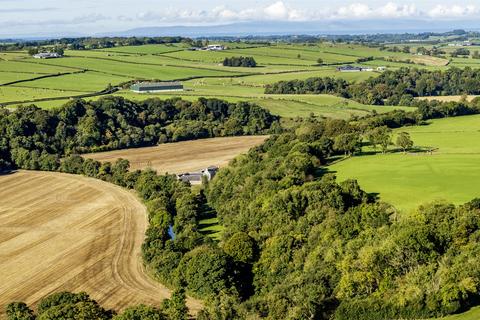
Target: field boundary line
x=81, y=96
x=155, y=64
x=41, y=77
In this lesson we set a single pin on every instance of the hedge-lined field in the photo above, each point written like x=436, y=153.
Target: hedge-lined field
x=168, y=62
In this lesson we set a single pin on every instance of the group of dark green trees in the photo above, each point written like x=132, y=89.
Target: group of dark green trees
x=247, y=62
x=79, y=306
x=33, y=138
x=398, y=87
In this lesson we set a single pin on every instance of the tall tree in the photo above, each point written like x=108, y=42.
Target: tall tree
x=404, y=141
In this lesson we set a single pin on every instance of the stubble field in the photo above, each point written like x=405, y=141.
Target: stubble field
x=64, y=232
x=186, y=156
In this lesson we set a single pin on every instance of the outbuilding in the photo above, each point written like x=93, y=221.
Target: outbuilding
x=146, y=87
x=196, y=177
x=349, y=69
x=47, y=55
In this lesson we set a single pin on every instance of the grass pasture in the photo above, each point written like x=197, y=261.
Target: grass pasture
x=147, y=49
x=89, y=81
x=19, y=93
x=408, y=180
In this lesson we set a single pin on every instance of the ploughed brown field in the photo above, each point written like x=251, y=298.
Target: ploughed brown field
x=66, y=232
x=181, y=157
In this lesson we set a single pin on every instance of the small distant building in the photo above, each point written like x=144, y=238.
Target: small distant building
x=381, y=68
x=349, y=69
x=47, y=55
x=466, y=43
x=196, y=177
x=146, y=87
x=215, y=47
x=354, y=69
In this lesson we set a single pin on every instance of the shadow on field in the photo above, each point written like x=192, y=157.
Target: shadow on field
x=7, y=172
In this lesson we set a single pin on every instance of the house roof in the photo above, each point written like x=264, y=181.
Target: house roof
x=157, y=84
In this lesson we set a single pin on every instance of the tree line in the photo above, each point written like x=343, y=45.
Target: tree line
x=34, y=138
x=88, y=43
x=398, y=87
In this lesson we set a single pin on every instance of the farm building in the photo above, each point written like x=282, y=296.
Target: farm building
x=349, y=69
x=47, y=55
x=146, y=87
x=353, y=69
x=196, y=177
x=215, y=47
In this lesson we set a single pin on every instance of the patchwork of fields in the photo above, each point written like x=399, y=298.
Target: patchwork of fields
x=92, y=71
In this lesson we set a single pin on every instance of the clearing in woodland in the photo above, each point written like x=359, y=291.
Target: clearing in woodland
x=64, y=232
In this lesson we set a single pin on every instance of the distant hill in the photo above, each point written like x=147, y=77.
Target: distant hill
x=291, y=28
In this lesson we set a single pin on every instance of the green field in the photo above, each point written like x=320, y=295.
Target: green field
x=407, y=180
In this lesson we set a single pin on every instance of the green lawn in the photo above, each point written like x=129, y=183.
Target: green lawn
x=407, y=180
x=211, y=228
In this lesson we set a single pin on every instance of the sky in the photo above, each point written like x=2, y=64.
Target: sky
x=87, y=17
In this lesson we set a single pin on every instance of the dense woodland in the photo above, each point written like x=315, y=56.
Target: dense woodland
x=33, y=138
x=398, y=87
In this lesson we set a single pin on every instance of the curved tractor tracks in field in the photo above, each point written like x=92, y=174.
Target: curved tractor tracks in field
x=65, y=232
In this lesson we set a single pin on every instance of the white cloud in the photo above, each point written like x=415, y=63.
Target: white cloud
x=88, y=18
x=389, y=10
x=281, y=11
x=455, y=11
